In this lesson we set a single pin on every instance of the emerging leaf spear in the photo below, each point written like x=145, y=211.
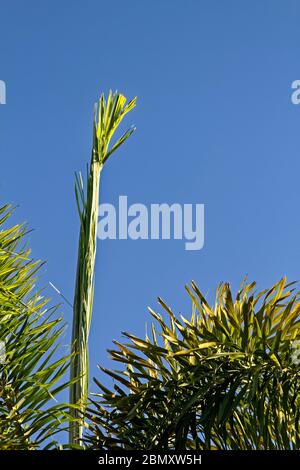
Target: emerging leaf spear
x=108, y=115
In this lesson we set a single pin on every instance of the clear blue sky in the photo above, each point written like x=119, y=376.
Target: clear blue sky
x=215, y=125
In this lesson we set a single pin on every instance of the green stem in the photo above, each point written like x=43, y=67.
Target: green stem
x=83, y=304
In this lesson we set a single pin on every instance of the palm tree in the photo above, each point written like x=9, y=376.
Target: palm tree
x=226, y=378
x=31, y=371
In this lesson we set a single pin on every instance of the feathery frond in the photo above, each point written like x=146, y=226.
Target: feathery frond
x=226, y=378
x=31, y=376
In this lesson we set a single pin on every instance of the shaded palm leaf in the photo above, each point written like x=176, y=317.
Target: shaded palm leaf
x=31, y=375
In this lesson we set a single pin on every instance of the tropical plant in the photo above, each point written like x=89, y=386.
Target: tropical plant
x=107, y=118
x=31, y=376
x=226, y=378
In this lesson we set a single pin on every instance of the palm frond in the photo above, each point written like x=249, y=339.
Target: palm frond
x=225, y=378
x=30, y=374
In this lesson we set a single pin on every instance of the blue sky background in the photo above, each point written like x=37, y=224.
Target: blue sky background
x=215, y=125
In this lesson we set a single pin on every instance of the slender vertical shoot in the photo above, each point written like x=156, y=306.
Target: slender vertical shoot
x=108, y=115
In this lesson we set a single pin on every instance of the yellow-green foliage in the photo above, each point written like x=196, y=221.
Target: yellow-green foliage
x=30, y=375
x=226, y=378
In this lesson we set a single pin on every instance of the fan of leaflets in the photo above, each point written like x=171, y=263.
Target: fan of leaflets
x=226, y=378
x=30, y=376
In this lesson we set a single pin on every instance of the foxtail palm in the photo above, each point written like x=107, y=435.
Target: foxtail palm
x=227, y=377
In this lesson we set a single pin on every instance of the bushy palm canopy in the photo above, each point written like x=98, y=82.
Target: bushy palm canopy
x=30, y=374
x=225, y=378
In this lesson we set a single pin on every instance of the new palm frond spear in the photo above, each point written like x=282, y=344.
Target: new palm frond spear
x=108, y=115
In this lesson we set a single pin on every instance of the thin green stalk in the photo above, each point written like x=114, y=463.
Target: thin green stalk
x=107, y=117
